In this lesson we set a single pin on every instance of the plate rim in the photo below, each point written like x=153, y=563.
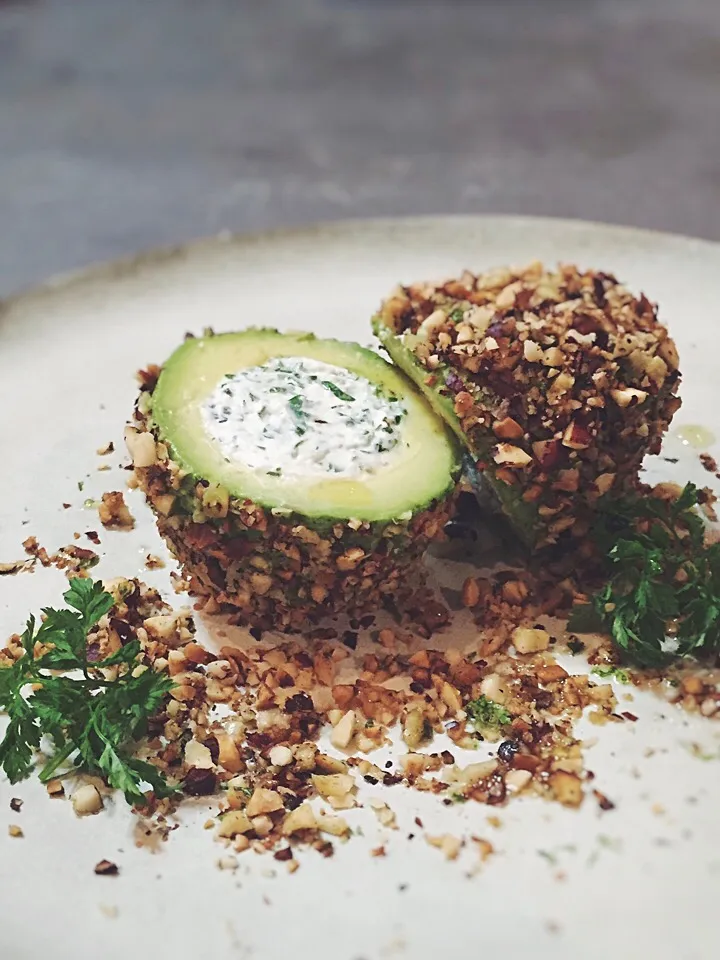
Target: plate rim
x=117, y=268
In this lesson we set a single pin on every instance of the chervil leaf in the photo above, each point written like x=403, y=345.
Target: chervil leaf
x=28, y=637
x=125, y=707
x=118, y=773
x=62, y=706
x=584, y=618
x=90, y=599
x=93, y=722
x=662, y=595
x=126, y=654
x=64, y=630
x=8, y=685
x=22, y=738
x=142, y=772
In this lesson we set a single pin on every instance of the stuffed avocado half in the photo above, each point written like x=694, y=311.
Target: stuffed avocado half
x=558, y=383
x=292, y=477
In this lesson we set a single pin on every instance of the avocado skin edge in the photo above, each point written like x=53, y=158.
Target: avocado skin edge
x=523, y=516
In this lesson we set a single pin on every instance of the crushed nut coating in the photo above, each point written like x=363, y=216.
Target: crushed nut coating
x=560, y=383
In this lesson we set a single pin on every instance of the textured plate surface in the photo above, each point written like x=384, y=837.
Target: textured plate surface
x=643, y=879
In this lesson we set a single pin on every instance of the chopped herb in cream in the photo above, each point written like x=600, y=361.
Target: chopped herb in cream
x=294, y=416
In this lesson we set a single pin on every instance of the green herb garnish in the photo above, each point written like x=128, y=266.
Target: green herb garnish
x=92, y=722
x=296, y=405
x=333, y=388
x=662, y=596
x=456, y=315
x=606, y=672
x=485, y=713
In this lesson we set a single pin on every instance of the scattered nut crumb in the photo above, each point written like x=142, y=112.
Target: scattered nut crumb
x=485, y=848
x=33, y=548
x=15, y=566
x=114, y=513
x=709, y=462
x=447, y=843
x=86, y=800
x=55, y=788
x=385, y=815
x=603, y=802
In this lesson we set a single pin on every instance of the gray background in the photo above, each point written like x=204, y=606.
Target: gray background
x=130, y=123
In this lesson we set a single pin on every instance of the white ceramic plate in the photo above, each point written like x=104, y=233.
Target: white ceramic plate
x=641, y=880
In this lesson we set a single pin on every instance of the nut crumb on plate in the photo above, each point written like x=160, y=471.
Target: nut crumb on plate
x=86, y=800
x=114, y=513
x=15, y=566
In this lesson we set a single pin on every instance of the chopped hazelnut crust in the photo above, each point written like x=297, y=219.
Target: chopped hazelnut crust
x=559, y=382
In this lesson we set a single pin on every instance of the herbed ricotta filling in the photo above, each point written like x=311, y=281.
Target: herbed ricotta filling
x=294, y=416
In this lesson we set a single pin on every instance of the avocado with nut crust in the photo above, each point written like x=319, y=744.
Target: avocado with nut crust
x=292, y=477
x=558, y=383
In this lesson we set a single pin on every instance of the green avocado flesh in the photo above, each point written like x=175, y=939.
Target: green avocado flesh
x=420, y=469
x=523, y=516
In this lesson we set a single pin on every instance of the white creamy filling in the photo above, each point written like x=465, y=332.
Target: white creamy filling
x=294, y=416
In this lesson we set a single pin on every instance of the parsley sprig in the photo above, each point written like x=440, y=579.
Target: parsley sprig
x=661, y=599
x=92, y=722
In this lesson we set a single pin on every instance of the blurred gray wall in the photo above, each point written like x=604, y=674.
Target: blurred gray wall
x=130, y=123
